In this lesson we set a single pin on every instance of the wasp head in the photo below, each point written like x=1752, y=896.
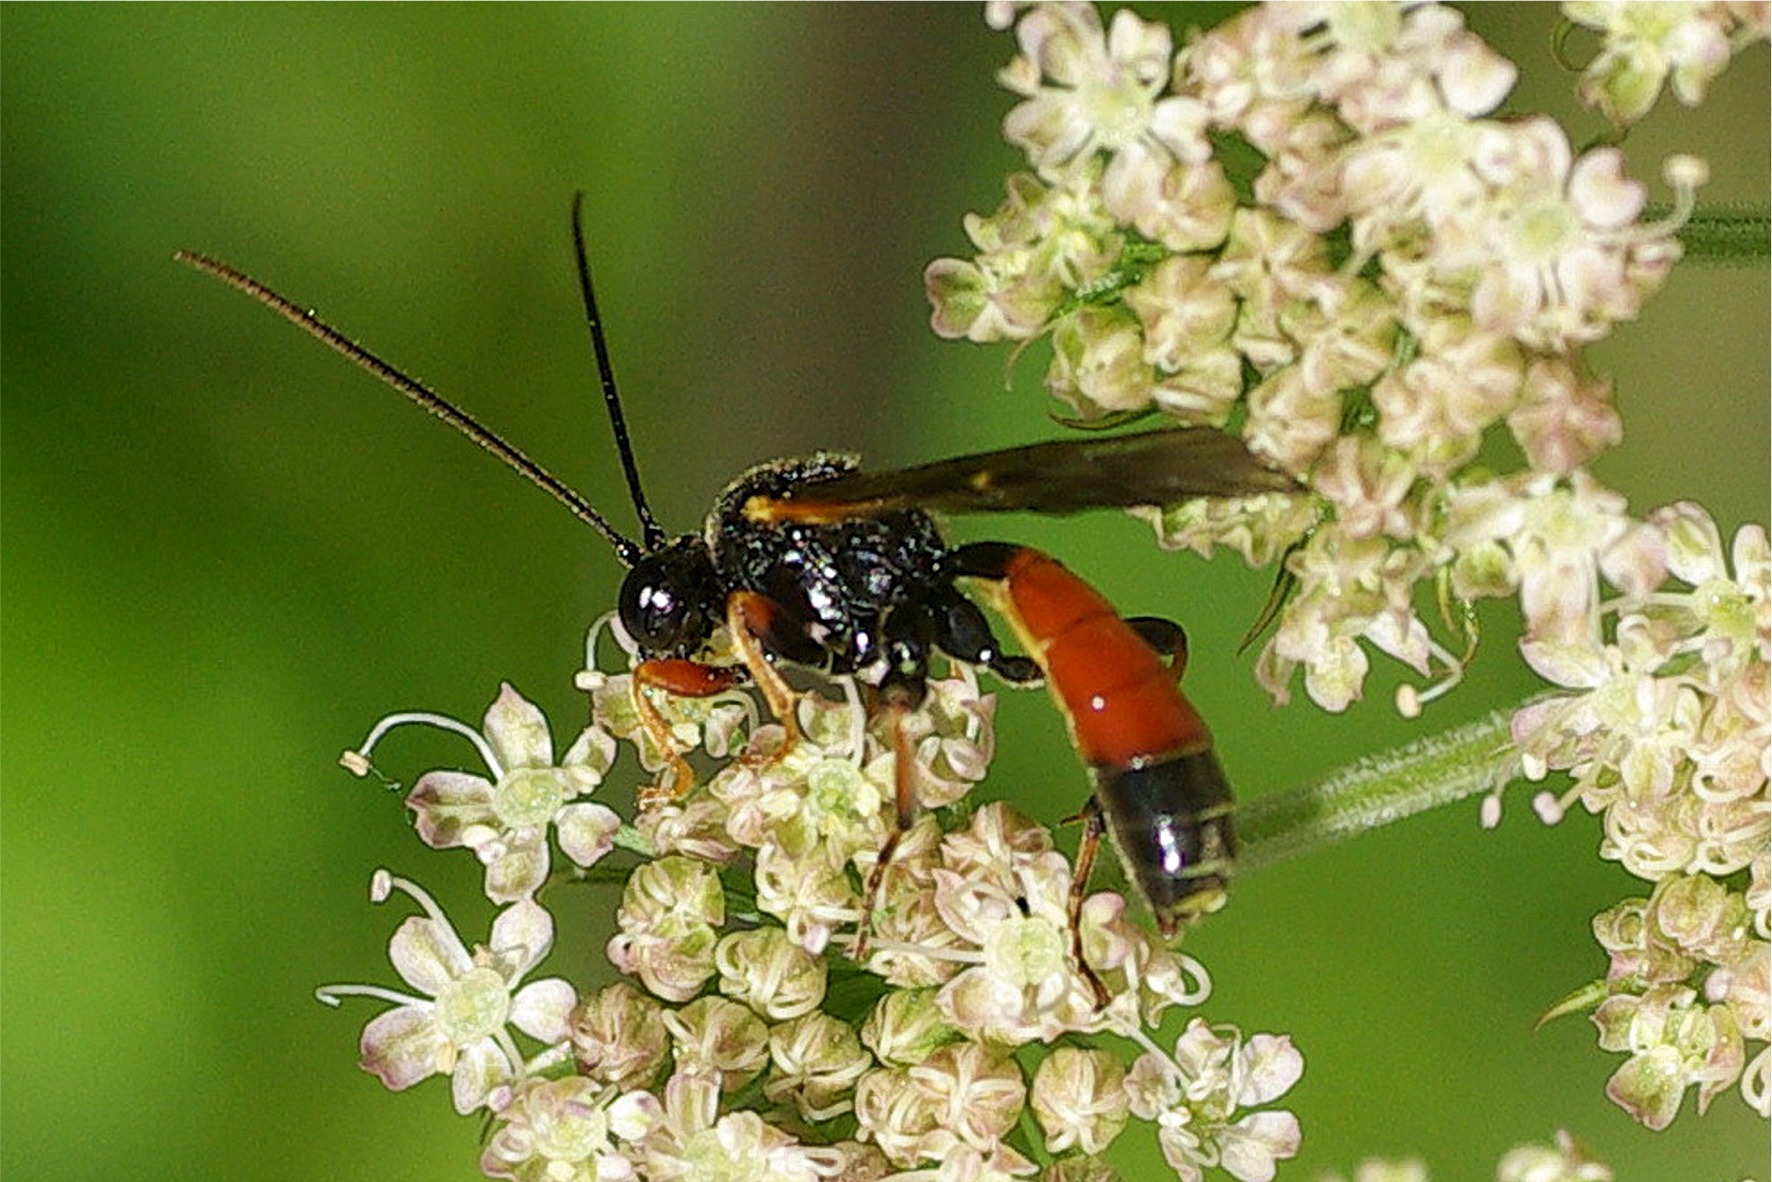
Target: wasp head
x=670, y=602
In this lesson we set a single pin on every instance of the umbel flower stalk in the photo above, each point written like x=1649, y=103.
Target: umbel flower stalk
x=1310, y=226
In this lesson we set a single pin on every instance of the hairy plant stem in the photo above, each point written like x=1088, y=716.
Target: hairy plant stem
x=1377, y=790
x=1729, y=235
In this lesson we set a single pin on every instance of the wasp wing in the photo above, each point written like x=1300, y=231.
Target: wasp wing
x=1158, y=467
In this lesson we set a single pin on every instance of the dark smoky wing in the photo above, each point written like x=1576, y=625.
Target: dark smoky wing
x=1159, y=467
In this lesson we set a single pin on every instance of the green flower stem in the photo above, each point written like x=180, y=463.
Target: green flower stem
x=631, y=839
x=1377, y=790
x=1731, y=235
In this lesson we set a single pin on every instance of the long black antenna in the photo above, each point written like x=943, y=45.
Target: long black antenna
x=652, y=536
x=627, y=551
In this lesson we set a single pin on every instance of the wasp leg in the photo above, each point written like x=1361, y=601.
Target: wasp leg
x=1167, y=637
x=904, y=780
x=757, y=624
x=907, y=635
x=1095, y=824
x=963, y=632
x=994, y=563
x=686, y=679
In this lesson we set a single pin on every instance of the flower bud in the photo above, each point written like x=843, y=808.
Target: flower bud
x=718, y=1039
x=619, y=1036
x=816, y=1061
x=1079, y=1099
x=770, y=973
x=906, y=1026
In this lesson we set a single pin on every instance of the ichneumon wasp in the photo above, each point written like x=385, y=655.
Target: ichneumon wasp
x=817, y=563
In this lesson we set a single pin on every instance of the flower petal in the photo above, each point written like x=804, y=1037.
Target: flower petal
x=634, y=1115
x=1573, y=665
x=428, y=954
x=1249, y=1148
x=522, y=935
x=516, y=866
x=517, y=731
x=402, y=1047
x=543, y=1009
x=447, y=803
x=1272, y=1065
x=586, y=831
x=1602, y=192
x=589, y=758
x=482, y=1066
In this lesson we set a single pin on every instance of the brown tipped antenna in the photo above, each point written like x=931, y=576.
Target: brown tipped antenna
x=626, y=550
x=652, y=536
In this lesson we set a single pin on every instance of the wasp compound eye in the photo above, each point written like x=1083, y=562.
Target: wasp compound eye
x=666, y=600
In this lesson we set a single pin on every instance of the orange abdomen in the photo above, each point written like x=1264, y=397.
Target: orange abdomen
x=1123, y=703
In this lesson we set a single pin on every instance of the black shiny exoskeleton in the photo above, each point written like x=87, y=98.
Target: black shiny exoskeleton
x=871, y=596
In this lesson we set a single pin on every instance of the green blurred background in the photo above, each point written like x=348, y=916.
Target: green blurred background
x=227, y=552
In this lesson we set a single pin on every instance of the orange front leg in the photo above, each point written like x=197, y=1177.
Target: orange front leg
x=750, y=616
x=686, y=679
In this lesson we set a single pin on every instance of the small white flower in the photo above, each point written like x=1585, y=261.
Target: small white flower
x=1553, y=250
x=459, y=1022
x=1644, y=45
x=565, y=1130
x=505, y=819
x=1103, y=96
x=1196, y=1094
x=694, y=1143
x=1566, y=1161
